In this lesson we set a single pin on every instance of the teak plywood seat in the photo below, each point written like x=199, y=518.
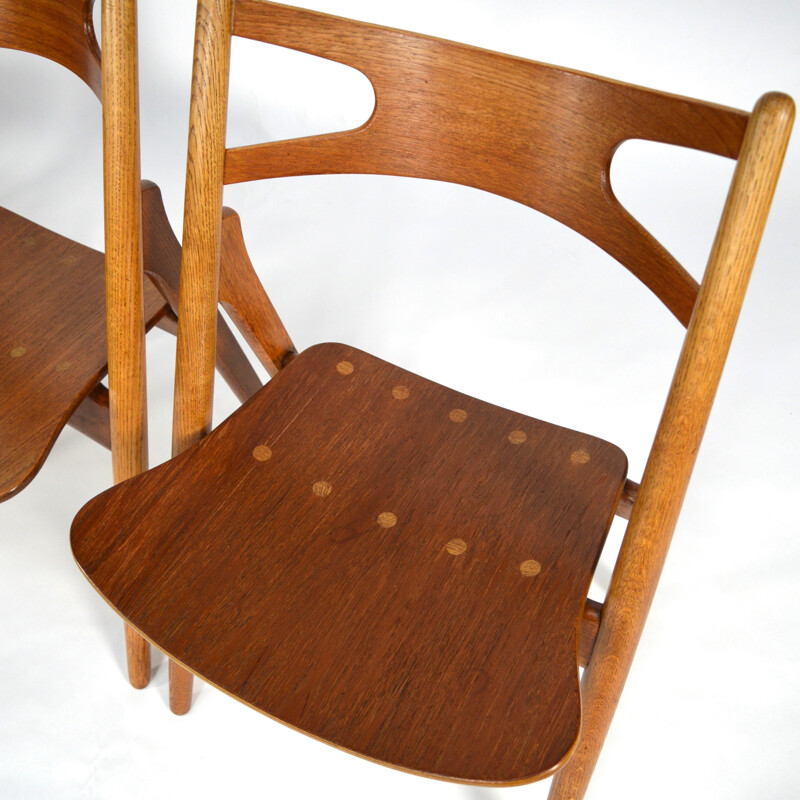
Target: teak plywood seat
x=52, y=340
x=421, y=557
x=52, y=290
x=372, y=558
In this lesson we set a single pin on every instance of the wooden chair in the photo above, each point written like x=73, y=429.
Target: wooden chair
x=53, y=291
x=383, y=563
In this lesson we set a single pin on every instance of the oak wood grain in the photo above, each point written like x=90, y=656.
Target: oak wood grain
x=180, y=689
x=194, y=371
x=314, y=582
x=137, y=654
x=125, y=280
x=194, y=368
x=123, y=240
x=680, y=431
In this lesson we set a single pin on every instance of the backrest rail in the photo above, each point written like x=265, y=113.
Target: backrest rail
x=534, y=133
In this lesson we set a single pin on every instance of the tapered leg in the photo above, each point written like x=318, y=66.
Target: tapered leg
x=180, y=689
x=124, y=275
x=232, y=363
x=138, y=651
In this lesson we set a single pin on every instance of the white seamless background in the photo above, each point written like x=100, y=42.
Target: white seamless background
x=477, y=293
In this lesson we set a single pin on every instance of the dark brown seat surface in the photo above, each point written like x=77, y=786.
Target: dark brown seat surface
x=52, y=340
x=377, y=560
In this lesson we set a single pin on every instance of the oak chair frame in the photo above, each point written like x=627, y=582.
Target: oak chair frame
x=580, y=146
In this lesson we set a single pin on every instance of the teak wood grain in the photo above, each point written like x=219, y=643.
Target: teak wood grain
x=243, y=297
x=91, y=417
x=162, y=264
x=306, y=547
x=59, y=30
x=267, y=607
x=52, y=340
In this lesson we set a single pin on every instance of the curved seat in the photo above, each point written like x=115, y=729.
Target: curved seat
x=375, y=559
x=53, y=332
x=52, y=340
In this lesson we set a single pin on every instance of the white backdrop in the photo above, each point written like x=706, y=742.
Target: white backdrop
x=479, y=294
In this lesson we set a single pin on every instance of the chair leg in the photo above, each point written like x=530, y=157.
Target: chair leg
x=231, y=362
x=138, y=652
x=180, y=689
x=242, y=295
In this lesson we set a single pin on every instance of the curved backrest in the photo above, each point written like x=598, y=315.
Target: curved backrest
x=534, y=133
x=60, y=30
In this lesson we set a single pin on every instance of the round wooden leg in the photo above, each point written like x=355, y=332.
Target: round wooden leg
x=180, y=689
x=138, y=652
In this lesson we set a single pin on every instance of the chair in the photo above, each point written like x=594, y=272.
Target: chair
x=381, y=562
x=53, y=292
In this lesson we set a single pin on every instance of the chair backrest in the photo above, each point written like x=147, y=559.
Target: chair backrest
x=538, y=134
x=533, y=133
x=60, y=30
